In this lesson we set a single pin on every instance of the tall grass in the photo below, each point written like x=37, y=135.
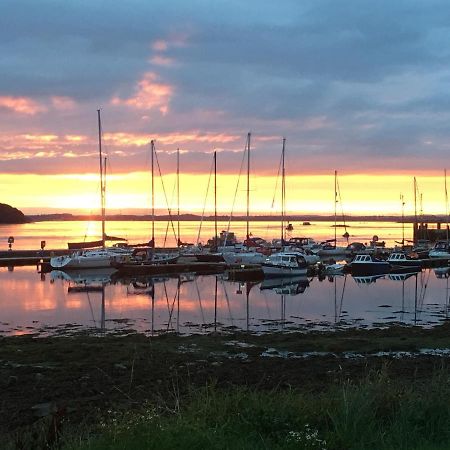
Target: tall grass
x=376, y=414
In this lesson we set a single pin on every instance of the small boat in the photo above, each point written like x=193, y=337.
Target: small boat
x=335, y=269
x=304, y=242
x=440, y=250
x=369, y=265
x=329, y=248
x=402, y=259
x=285, y=264
x=356, y=248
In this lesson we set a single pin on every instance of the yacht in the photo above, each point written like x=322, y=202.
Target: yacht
x=90, y=259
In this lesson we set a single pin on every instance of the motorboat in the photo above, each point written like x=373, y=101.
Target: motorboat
x=335, y=269
x=441, y=249
x=403, y=259
x=285, y=264
x=369, y=265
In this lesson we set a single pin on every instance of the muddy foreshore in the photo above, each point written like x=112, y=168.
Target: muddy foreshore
x=79, y=378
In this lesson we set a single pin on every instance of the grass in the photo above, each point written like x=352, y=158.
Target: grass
x=375, y=414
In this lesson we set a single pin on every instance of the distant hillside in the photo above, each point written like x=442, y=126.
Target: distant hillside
x=8, y=214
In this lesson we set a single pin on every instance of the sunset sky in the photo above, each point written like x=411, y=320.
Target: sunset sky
x=360, y=87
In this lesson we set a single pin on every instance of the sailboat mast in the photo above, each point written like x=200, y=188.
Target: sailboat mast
x=283, y=192
x=215, y=200
x=415, y=212
x=102, y=182
x=178, y=197
x=152, y=148
x=402, y=198
x=335, y=207
x=248, y=186
x=446, y=202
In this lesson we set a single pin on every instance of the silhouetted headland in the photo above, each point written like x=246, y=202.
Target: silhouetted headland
x=8, y=214
x=223, y=217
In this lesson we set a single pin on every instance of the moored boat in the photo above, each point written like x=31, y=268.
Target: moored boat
x=369, y=265
x=403, y=259
x=441, y=249
x=285, y=264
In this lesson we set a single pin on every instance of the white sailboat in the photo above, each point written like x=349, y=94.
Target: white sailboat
x=98, y=257
x=284, y=263
x=246, y=254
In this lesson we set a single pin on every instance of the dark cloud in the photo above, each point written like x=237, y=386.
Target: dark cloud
x=343, y=81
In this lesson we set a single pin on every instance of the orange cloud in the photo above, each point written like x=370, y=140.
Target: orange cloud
x=160, y=45
x=150, y=94
x=132, y=139
x=40, y=137
x=21, y=105
x=75, y=138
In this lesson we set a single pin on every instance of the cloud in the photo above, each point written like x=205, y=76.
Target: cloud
x=150, y=94
x=21, y=105
x=349, y=85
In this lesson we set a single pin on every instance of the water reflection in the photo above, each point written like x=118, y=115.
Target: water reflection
x=99, y=301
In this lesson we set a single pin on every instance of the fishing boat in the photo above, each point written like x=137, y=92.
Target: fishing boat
x=368, y=265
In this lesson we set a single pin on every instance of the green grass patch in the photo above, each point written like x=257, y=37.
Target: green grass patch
x=374, y=414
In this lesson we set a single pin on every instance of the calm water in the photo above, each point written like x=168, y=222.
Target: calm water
x=48, y=304
x=32, y=302
x=57, y=234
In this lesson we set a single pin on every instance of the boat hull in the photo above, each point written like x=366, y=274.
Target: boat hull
x=270, y=270
x=79, y=262
x=370, y=268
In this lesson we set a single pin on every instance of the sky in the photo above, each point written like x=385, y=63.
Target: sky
x=356, y=86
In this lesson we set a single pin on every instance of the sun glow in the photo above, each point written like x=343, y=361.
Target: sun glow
x=310, y=194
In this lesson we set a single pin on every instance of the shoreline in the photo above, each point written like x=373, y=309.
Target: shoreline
x=88, y=375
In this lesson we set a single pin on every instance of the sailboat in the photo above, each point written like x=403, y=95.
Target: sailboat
x=246, y=254
x=86, y=257
x=284, y=263
x=329, y=247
